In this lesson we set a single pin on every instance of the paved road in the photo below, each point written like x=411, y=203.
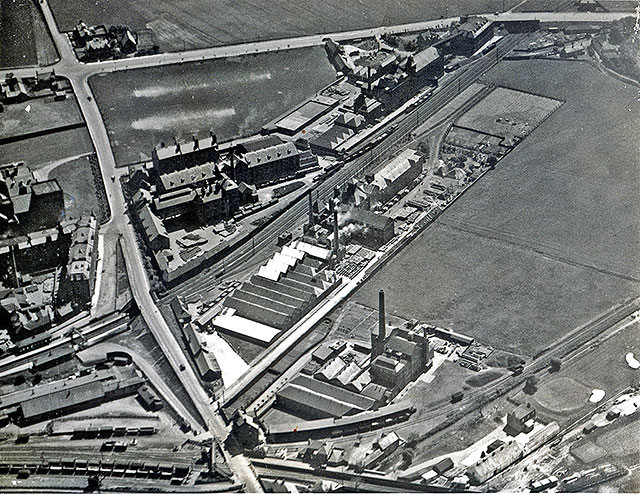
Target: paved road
x=152, y=375
x=78, y=74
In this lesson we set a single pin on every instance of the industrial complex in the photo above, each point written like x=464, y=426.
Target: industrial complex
x=400, y=283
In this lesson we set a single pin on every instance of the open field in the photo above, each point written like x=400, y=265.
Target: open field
x=198, y=24
x=38, y=151
x=505, y=112
x=603, y=367
x=231, y=97
x=570, y=6
x=24, y=38
x=545, y=242
x=74, y=177
x=43, y=114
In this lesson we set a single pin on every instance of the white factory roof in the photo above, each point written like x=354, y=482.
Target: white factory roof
x=396, y=168
x=282, y=261
x=312, y=250
x=278, y=265
x=290, y=251
x=229, y=321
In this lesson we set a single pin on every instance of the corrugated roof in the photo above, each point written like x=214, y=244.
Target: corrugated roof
x=227, y=320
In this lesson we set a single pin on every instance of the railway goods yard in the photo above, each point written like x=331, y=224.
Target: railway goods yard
x=319, y=248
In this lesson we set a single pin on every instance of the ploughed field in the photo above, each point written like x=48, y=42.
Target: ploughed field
x=198, y=23
x=548, y=240
x=24, y=38
x=231, y=97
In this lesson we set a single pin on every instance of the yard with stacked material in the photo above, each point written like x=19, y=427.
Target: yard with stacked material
x=231, y=97
x=548, y=240
x=199, y=23
x=24, y=38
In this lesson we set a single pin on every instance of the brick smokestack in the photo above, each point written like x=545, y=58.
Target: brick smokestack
x=382, y=323
x=310, y=208
x=336, y=237
x=232, y=165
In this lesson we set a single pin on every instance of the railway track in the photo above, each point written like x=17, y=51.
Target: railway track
x=262, y=245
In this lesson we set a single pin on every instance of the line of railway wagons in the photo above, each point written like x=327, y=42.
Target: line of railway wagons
x=343, y=426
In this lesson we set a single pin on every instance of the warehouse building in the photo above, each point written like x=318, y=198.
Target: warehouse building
x=46, y=401
x=288, y=286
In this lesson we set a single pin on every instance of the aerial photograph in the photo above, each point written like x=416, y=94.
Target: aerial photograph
x=378, y=246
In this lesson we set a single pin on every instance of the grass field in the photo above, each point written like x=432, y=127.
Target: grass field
x=43, y=114
x=24, y=39
x=570, y=6
x=79, y=191
x=549, y=239
x=198, y=23
x=231, y=97
x=505, y=112
x=38, y=151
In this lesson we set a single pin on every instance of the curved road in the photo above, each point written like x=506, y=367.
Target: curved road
x=78, y=74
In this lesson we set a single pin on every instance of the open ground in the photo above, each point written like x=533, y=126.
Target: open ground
x=24, y=38
x=549, y=239
x=38, y=115
x=197, y=24
x=42, y=150
x=231, y=97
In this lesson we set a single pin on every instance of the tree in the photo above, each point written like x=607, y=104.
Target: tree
x=555, y=364
x=531, y=385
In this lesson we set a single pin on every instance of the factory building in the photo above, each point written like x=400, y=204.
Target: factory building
x=46, y=401
x=311, y=398
x=395, y=176
x=369, y=229
x=283, y=290
x=399, y=357
x=468, y=38
x=425, y=66
x=379, y=188
x=264, y=159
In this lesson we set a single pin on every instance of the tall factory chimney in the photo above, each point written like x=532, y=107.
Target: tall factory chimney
x=310, y=208
x=232, y=165
x=382, y=323
x=336, y=237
